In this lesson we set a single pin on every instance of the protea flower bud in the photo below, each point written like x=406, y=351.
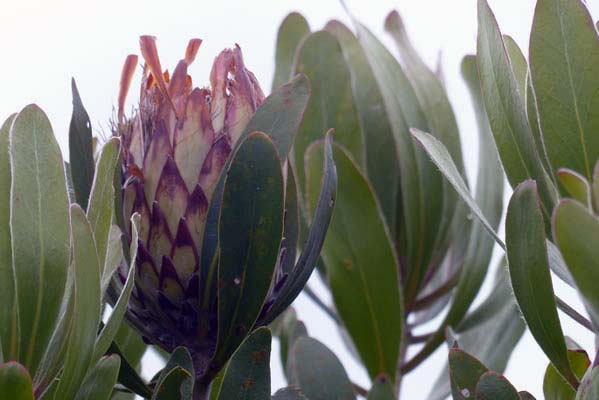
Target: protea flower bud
x=176, y=146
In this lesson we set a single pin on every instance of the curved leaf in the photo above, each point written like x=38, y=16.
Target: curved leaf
x=247, y=376
x=464, y=373
x=289, y=393
x=576, y=185
x=531, y=279
x=367, y=299
x=318, y=372
x=39, y=223
x=555, y=387
x=564, y=64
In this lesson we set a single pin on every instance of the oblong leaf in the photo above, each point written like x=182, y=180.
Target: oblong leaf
x=531, y=279
x=564, y=64
x=176, y=381
x=292, y=30
x=8, y=313
x=494, y=386
x=250, y=231
x=576, y=185
x=318, y=372
x=247, y=376
x=15, y=382
x=505, y=107
x=576, y=231
x=101, y=201
x=81, y=150
x=367, y=299
x=39, y=229
x=100, y=381
x=86, y=308
x=555, y=387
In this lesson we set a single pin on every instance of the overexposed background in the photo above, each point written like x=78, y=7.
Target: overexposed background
x=43, y=43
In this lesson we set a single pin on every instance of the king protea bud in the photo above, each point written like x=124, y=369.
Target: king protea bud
x=176, y=145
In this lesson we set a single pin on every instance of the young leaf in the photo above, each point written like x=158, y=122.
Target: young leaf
x=15, y=382
x=555, y=387
x=531, y=279
x=291, y=32
x=381, y=389
x=247, y=376
x=176, y=381
x=464, y=373
x=81, y=150
x=576, y=185
x=39, y=224
x=318, y=372
x=564, y=63
x=367, y=299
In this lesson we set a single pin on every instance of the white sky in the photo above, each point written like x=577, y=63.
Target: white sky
x=43, y=43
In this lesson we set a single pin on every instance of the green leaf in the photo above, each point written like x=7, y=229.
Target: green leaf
x=442, y=159
x=177, y=379
x=589, y=387
x=100, y=380
x=576, y=185
x=108, y=333
x=505, y=108
x=15, y=382
x=494, y=386
x=555, y=387
x=421, y=183
x=531, y=279
x=564, y=63
x=380, y=152
x=289, y=393
x=39, y=224
x=490, y=332
x=128, y=376
x=595, y=188
x=292, y=30
x=518, y=63
x=87, y=307
x=576, y=232
x=247, y=376
x=533, y=119
x=367, y=299
x=316, y=235
x=81, y=150
x=321, y=59
x=381, y=389
x=524, y=395
x=8, y=313
x=101, y=201
x=281, y=114
x=438, y=112
x=250, y=231
x=318, y=372
x=464, y=372
x=489, y=194
x=114, y=256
